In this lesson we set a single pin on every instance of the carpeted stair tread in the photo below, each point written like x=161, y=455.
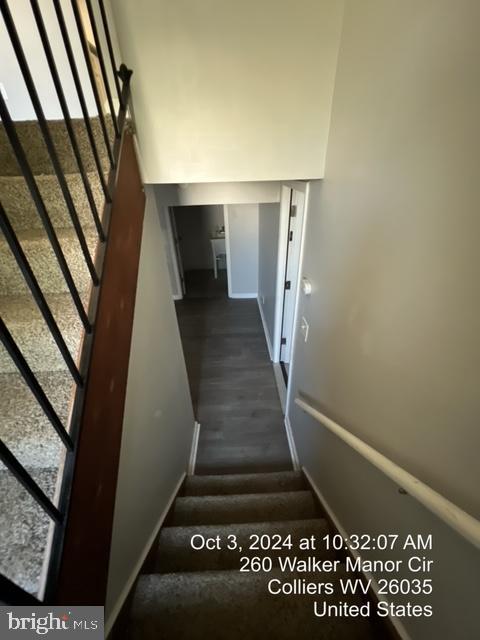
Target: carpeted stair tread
x=33, y=144
x=24, y=427
x=175, y=552
x=22, y=212
x=233, y=605
x=26, y=324
x=24, y=527
x=244, y=483
x=43, y=261
x=289, y=505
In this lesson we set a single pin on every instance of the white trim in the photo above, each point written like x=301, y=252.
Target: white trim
x=265, y=328
x=281, y=388
x=281, y=260
x=138, y=566
x=291, y=444
x=227, y=249
x=298, y=292
x=460, y=521
x=168, y=211
x=193, y=452
x=243, y=295
x=399, y=628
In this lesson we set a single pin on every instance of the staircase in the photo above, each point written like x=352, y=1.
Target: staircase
x=201, y=594
x=24, y=427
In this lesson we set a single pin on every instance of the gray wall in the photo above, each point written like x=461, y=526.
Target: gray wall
x=195, y=226
x=268, y=228
x=158, y=421
x=392, y=252
x=242, y=222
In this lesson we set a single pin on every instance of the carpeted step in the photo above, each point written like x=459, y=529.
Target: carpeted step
x=22, y=212
x=289, y=505
x=26, y=324
x=43, y=262
x=244, y=483
x=33, y=144
x=237, y=606
x=175, y=552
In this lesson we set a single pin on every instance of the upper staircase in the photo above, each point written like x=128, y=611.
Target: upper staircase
x=59, y=179
x=24, y=427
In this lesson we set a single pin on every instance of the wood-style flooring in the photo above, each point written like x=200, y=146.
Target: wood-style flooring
x=231, y=379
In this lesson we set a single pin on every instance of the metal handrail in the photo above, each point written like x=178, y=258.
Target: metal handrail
x=455, y=517
x=91, y=75
x=80, y=94
x=42, y=123
x=101, y=61
x=66, y=114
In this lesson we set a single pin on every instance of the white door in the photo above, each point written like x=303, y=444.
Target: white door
x=293, y=239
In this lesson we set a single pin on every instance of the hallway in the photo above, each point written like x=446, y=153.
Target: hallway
x=231, y=381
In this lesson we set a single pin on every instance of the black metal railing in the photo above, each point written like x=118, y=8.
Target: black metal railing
x=115, y=83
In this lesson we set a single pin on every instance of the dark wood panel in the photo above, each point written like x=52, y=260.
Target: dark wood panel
x=231, y=380
x=84, y=564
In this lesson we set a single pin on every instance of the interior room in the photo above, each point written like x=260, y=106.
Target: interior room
x=199, y=238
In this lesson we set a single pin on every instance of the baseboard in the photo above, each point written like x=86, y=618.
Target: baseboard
x=242, y=295
x=281, y=388
x=138, y=566
x=291, y=445
x=396, y=626
x=265, y=329
x=193, y=451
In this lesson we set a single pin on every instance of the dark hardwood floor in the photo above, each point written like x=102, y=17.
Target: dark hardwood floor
x=231, y=380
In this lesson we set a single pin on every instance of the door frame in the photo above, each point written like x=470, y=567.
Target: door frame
x=175, y=253
x=285, y=195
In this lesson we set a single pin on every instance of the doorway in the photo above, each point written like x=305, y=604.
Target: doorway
x=199, y=244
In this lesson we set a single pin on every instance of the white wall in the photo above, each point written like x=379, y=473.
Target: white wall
x=18, y=102
x=195, y=226
x=392, y=253
x=268, y=230
x=226, y=90
x=158, y=420
x=241, y=226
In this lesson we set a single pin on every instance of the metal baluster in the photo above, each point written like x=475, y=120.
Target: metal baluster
x=66, y=113
x=102, y=65
x=81, y=96
x=31, y=380
x=91, y=75
x=110, y=51
x=22, y=475
x=42, y=123
x=19, y=255
x=42, y=211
